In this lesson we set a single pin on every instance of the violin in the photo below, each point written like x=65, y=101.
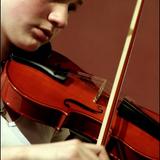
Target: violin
x=50, y=89
x=53, y=90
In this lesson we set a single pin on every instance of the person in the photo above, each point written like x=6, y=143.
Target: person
x=28, y=25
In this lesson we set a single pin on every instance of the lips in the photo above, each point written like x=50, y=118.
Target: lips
x=42, y=35
x=47, y=32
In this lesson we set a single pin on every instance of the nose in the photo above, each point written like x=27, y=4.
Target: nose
x=59, y=15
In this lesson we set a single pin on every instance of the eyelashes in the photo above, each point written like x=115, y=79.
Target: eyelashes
x=72, y=7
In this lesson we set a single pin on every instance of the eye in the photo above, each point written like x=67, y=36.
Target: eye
x=72, y=7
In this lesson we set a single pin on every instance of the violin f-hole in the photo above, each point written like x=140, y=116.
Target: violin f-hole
x=68, y=102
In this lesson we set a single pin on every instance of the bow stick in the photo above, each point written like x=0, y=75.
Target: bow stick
x=122, y=67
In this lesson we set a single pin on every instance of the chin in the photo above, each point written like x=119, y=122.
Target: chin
x=31, y=46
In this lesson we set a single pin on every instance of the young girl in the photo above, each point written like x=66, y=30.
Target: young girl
x=29, y=24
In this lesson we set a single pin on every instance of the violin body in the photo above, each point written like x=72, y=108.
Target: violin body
x=40, y=97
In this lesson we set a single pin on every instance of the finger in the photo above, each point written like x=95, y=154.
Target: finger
x=80, y=151
x=88, y=154
x=99, y=150
x=103, y=156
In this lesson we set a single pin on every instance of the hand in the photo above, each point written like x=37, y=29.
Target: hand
x=66, y=150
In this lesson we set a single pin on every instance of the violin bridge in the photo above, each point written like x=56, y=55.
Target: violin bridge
x=94, y=78
x=100, y=91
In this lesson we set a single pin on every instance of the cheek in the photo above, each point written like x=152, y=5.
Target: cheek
x=27, y=9
x=55, y=33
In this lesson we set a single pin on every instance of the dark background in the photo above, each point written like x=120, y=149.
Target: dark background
x=95, y=37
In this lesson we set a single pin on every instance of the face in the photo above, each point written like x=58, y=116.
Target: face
x=28, y=24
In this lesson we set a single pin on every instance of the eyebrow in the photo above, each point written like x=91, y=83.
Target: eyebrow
x=80, y=2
